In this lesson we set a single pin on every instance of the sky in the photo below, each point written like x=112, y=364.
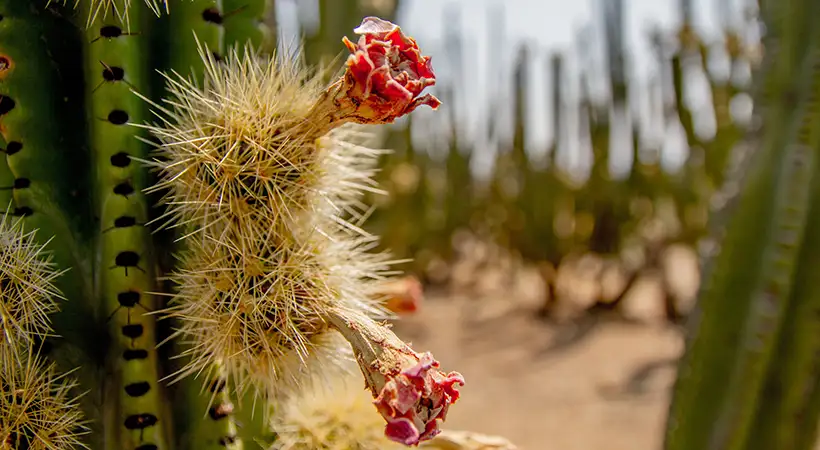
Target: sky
x=488, y=33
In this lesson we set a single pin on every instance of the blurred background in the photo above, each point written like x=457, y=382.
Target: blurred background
x=555, y=206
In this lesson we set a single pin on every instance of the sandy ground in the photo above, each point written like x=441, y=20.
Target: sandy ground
x=549, y=386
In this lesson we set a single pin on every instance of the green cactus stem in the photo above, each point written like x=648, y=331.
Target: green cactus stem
x=737, y=326
x=125, y=257
x=192, y=23
x=244, y=24
x=788, y=420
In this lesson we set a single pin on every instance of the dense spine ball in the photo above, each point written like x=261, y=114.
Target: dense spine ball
x=37, y=411
x=267, y=197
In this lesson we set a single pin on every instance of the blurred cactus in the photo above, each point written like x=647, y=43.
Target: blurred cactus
x=259, y=165
x=748, y=377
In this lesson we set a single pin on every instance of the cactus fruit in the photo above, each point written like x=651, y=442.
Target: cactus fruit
x=259, y=168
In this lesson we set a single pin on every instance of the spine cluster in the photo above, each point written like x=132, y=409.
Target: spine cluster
x=263, y=172
x=37, y=409
x=268, y=203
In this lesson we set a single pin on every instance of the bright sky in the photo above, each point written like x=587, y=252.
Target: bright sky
x=544, y=25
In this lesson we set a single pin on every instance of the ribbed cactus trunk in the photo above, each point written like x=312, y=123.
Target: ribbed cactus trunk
x=243, y=215
x=749, y=377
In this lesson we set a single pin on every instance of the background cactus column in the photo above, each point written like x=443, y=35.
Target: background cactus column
x=736, y=340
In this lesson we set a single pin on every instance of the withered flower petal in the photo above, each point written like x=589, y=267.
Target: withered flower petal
x=385, y=75
x=410, y=392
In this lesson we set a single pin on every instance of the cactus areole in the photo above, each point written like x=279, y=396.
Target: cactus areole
x=259, y=167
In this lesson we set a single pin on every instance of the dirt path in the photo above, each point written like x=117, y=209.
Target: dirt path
x=540, y=397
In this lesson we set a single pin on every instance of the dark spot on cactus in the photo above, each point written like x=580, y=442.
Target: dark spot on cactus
x=1, y=17
x=147, y=447
x=219, y=412
x=132, y=331
x=120, y=159
x=125, y=221
x=137, y=389
x=22, y=183
x=118, y=117
x=217, y=385
x=113, y=73
x=140, y=421
x=227, y=440
x=127, y=259
x=130, y=355
x=124, y=189
x=216, y=56
x=23, y=211
x=6, y=104
x=128, y=299
x=212, y=15
x=13, y=147
x=110, y=32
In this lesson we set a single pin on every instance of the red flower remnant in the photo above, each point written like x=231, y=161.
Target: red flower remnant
x=385, y=74
x=409, y=391
x=413, y=401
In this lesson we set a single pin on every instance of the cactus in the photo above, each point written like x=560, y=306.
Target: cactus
x=190, y=272
x=748, y=378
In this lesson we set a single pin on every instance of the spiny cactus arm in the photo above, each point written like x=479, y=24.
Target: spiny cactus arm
x=736, y=323
x=38, y=408
x=244, y=22
x=127, y=264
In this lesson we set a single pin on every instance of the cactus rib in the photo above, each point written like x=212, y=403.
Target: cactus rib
x=125, y=259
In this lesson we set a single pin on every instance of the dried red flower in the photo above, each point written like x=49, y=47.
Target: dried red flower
x=385, y=75
x=410, y=392
x=415, y=399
